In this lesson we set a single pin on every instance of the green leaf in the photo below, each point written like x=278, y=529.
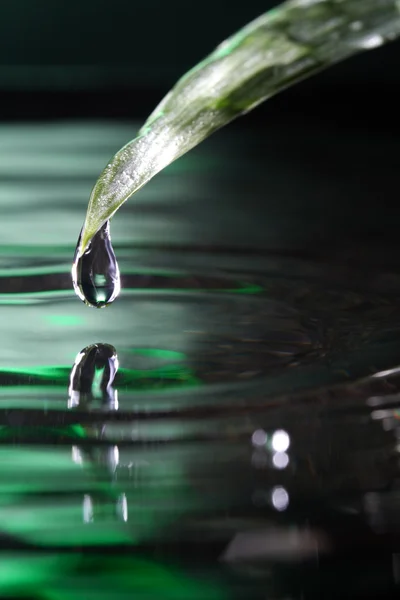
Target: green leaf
x=283, y=46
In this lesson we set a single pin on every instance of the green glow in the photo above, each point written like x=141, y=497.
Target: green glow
x=164, y=582
x=71, y=431
x=78, y=430
x=173, y=372
x=15, y=301
x=132, y=577
x=26, y=570
x=61, y=523
x=30, y=391
x=27, y=474
x=96, y=384
x=141, y=379
x=64, y=320
x=46, y=372
x=248, y=288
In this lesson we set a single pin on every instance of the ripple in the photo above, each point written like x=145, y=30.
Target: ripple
x=218, y=339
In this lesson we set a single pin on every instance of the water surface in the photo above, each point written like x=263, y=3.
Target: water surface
x=248, y=445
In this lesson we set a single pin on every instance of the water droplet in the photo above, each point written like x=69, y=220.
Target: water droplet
x=95, y=275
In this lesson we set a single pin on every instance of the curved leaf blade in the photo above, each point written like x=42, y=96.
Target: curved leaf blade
x=281, y=47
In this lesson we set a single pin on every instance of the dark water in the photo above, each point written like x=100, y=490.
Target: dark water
x=238, y=435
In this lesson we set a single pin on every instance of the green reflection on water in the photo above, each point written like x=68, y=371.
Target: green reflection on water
x=170, y=372
x=247, y=288
x=43, y=496
x=52, y=372
x=61, y=374
x=163, y=581
x=21, y=572
x=139, y=379
x=64, y=320
x=135, y=577
x=73, y=432
x=159, y=353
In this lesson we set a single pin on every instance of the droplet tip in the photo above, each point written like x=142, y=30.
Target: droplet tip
x=98, y=304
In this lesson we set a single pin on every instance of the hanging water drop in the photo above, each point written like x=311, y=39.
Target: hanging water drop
x=95, y=275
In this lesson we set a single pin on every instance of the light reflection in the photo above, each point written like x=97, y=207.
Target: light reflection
x=116, y=455
x=288, y=543
x=77, y=455
x=270, y=451
x=113, y=399
x=73, y=399
x=92, y=375
x=113, y=458
x=280, y=460
x=74, y=395
x=123, y=507
x=394, y=371
x=108, y=460
x=280, y=498
x=378, y=415
x=259, y=438
x=389, y=418
x=87, y=509
x=356, y=26
x=280, y=440
x=375, y=401
x=371, y=41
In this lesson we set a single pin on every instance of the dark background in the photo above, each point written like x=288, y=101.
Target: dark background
x=74, y=58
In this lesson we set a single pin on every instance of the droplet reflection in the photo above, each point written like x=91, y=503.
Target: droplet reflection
x=122, y=507
x=280, y=460
x=280, y=498
x=97, y=363
x=259, y=438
